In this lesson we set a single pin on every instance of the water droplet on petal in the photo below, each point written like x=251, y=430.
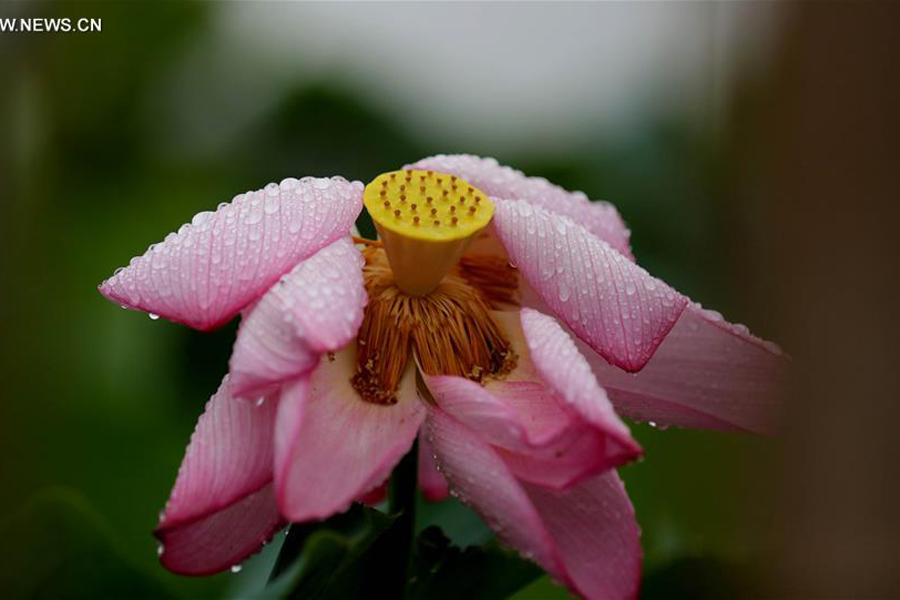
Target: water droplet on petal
x=254, y=217
x=288, y=184
x=200, y=218
x=271, y=204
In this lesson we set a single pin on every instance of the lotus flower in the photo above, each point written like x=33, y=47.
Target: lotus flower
x=499, y=314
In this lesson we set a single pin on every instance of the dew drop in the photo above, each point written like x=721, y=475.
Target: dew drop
x=153, y=316
x=236, y=568
x=560, y=225
x=254, y=217
x=201, y=218
x=271, y=205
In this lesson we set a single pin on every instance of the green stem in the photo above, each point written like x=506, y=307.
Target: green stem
x=402, y=500
x=393, y=567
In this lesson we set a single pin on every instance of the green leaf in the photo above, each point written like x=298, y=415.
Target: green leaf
x=325, y=560
x=58, y=547
x=440, y=570
x=543, y=588
x=458, y=521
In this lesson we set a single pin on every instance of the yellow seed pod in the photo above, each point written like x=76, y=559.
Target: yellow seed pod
x=426, y=220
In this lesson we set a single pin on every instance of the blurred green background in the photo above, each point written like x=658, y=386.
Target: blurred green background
x=110, y=140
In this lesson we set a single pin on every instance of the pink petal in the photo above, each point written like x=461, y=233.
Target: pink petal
x=707, y=374
x=618, y=308
x=375, y=495
x=562, y=367
x=431, y=482
x=570, y=460
x=214, y=266
x=595, y=531
x=224, y=538
x=600, y=218
x=503, y=414
x=480, y=479
x=331, y=446
x=315, y=308
x=226, y=471
x=550, y=438
x=585, y=536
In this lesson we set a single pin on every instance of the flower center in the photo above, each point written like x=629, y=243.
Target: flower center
x=426, y=220
x=450, y=329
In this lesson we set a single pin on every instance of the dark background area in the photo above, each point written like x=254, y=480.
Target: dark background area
x=781, y=212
